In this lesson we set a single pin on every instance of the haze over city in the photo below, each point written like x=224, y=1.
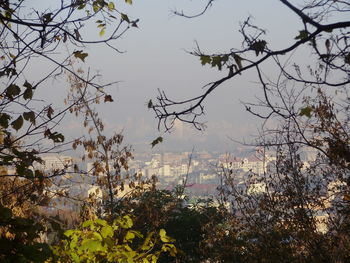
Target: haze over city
x=157, y=57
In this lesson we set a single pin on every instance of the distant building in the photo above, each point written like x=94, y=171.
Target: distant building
x=55, y=162
x=248, y=164
x=257, y=188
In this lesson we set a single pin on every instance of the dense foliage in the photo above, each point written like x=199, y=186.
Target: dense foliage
x=189, y=224
x=98, y=241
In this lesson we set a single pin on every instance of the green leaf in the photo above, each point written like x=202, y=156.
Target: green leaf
x=128, y=2
x=6, y=213
x=217, y=62
x=8, y=13
x=18, y=123
x=12, y=91
x=75, y=257
x=162, y=234
x=4, y=120
x=55, y=136
x=107, y=231
x=28, y=93
x=81, y=6
x=150, y=104
x=125, y=222
x=129, y=236
x=148, y=243
x=47, y=17
x=302, y=35
x=258, y=46
x=156, y=141
x=125, y=17
x=164, y=237
x=27, y=85
x=79, y=54
x=58, y=137
x=101, y=222
x=24, y=171
x=88, y=223
x=96, y=236
x=39, y=174
x=238, y=60
x=91, y=245
x=96, y=8
x=171, y=249
x=205, y=59
x=29, y=116
x=69, y=233
x=306, y=111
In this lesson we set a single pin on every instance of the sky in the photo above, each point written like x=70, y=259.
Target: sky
x=156, y=57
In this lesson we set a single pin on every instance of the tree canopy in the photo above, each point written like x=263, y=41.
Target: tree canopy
x=324, y=35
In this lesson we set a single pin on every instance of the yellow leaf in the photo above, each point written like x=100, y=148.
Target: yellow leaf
x=163, y=236
x=111, y=6
x=129, y=235
x=102, y=32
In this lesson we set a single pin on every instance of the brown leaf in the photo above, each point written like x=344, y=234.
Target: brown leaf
x=108, y=98
x=347, y=59
x=328, y=45
x=50, y=111
x=77, y=34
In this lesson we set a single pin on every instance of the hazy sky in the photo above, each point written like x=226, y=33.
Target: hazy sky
x=155, y=58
